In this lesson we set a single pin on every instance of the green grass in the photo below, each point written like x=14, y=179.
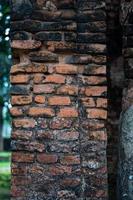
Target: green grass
x=5, y=154
x=5, y=176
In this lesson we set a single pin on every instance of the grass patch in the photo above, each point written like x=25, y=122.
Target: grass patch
x=5, y=175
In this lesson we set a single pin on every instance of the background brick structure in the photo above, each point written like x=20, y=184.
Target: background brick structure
x=67, y=62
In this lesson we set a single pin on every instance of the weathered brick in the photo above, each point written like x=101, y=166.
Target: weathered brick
x=40, y=99
x=22, y=135
x=54, y=79
x=17, y=192
x=60, y=123
x=70, y=160
x=16, y=112
x=98, y=135
x=48, y=36
x=68, y=112
x=101, y=102
x=47, y=158
x=43, y=88
x=67, y=135
x=21, y=100
x=24, y=123
x=68, y=90
x=41, y=111
x=59, y=100
x=96, y=91
x=93, y=80
x=22, y=157
x=43, y=134
x=88, y=102
x=66, y=69
x=97, y=113
x=60, y=170
x=28, y=69
x=38, y=78
x=19, y=79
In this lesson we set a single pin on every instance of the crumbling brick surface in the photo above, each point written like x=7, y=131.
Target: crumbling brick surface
x=59, y=99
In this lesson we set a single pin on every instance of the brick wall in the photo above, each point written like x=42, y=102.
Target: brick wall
x=59, y=100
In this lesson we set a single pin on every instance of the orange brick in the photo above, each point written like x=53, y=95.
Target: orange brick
x=66, y=69
x=96, y=113
x=93, y=80
x=55, y=78
x=70, y=160
x=96, y=91
x=21, y=100
x=28, y=69
x=22, y=157
x=41, y=111
x=60, y=170
x=20, y=79
x=98, y=135
x=88, y=102
x=38, y=78
x=68, y=90
x=101, y=103
x=15, y=112
x=58, y=100
x=68, y=112
x=47, y=159
x=45, y=88
x=24, y=123
x=40, y=99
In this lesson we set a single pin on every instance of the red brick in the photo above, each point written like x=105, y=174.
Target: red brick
x=101, y=103
x=19, y=170
x=40, y=99
x=70, y=160
x=55, y=78
x=93, y=80
x=38, y=78
x=71, y=135
x=24, y=123
x=68, y=90
x=47, y=158
x=22, y=157
x=88, y=102
x=21, y=100
x=68, y=112
x=70, y=182
x=66, y=69
x=28, y=69
x=45, y=88
x=61, y=123
x=20, y=180
x=20, y=79
x=41, y=111
x=16, y=112
x=96, y=91
x=59, y=100
x=98, y=135
x=22, y=135
x=43, y=134
x=60, y=170
x=17, y=192
x=97, y=113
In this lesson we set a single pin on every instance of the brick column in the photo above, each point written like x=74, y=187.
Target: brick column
x=91, y=47
x=59, y=100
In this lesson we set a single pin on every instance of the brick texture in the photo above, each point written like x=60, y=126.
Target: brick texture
x=59, y=100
